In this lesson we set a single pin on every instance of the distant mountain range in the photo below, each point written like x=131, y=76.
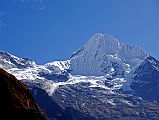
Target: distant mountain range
x=103, y=80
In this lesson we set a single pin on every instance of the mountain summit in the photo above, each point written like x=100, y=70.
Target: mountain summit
x=98, y=55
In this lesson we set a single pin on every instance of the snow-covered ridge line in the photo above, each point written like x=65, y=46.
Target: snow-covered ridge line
x=102, y=62
x=62, y=65
x=8, y=61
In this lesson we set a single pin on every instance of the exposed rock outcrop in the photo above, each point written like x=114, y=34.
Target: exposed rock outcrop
x=16, y=101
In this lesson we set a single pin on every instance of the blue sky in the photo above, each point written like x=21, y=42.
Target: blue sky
x=54, y=29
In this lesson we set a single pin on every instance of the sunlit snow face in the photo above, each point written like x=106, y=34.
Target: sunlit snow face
x=103, y=52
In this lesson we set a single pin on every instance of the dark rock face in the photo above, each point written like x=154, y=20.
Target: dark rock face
x=146, y=80
x=46, y=103
x=55, y=77
x=16, y=101
x=99, y=104
x=78, y=102
x=54, y=110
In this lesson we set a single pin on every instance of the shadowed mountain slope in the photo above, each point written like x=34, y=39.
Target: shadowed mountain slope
x=16, y=101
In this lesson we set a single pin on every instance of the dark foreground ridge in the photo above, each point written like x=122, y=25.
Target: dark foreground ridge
x=16, y=101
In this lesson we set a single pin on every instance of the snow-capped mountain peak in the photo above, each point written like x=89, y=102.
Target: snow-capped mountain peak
x=105, y=44
x=102, y=53
x=8, y=61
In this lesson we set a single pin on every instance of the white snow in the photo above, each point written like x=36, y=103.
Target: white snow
x=127, y=102
x=62, y=65
x=102, y=57
x=110, y=101
x=98, y=53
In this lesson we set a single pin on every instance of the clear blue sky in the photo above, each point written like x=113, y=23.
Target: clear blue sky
x=63, y=26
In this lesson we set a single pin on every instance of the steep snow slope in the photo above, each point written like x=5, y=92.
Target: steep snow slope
x=105, y=55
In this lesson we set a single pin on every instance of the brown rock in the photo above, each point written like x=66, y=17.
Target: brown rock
x=16, y=101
